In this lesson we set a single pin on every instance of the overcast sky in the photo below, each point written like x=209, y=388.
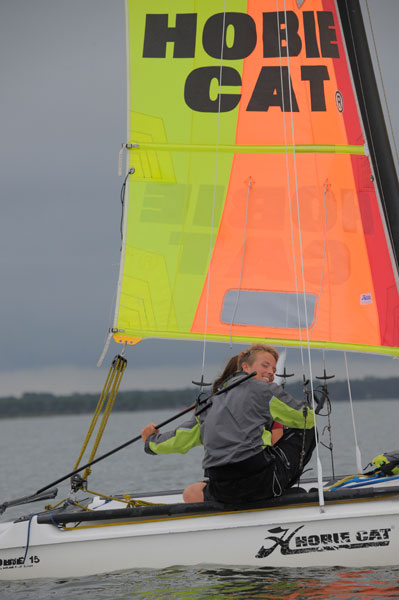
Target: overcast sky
x=62, y=118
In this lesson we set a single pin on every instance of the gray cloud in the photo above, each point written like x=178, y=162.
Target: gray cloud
x=63, y=107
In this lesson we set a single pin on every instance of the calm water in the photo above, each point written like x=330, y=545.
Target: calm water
x=36, y=451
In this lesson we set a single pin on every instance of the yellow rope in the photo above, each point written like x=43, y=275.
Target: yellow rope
x=343, y=480
x=118, y=373
x=52, y=506
x=110, y=390
x=95, y=417
x=126, y=499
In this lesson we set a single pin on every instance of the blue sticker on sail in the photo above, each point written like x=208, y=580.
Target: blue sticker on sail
x=366, y=299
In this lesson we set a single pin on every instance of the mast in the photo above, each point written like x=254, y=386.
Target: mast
x=372, y=115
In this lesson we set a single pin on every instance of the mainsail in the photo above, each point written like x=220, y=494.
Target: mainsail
x=251, y=208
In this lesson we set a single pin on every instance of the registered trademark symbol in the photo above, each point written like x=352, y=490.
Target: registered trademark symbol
x=339, y=101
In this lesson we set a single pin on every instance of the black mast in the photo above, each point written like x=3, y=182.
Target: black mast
x=372, y=114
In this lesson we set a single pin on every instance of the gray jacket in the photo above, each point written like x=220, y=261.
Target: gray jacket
x=237, y=425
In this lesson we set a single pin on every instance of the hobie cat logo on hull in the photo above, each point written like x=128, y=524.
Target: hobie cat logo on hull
x=19, y=562
x=291, y=543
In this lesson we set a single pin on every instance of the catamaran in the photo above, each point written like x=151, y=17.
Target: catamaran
x=260, y=203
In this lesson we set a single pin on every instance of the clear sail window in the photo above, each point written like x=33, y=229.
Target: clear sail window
x=268, y=309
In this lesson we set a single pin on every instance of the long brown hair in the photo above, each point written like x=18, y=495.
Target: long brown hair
x=235, y=362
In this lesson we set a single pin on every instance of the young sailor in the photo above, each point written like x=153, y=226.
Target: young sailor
x=240, y=460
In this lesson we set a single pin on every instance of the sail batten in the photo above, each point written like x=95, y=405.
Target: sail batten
x=205, y=254
x=254, y=149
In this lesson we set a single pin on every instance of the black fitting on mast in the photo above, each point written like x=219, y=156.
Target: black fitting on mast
x=321, y=396
x=201, y=383
x=323, y=390
x=285, y=376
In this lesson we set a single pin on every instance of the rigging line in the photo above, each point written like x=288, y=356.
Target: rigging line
x=288, y=177
x=322, y=271
x=357, y=449
x=214, y=192
x=382, y=83
x=122, y=199
x=324, y=253
x=286, y=167
x=297, y=199
x=122, y=195
x=242, y=261
x=323, y=354
x=318, y=462
x=297, y=203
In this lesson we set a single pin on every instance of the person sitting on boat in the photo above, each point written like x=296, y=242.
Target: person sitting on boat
x=240, y=460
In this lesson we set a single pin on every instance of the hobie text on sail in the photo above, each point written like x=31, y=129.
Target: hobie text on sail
x=240, y=37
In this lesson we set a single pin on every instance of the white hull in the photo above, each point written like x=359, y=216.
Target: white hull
x=351, y=533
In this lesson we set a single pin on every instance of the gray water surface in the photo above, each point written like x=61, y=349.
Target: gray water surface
x=37, y=451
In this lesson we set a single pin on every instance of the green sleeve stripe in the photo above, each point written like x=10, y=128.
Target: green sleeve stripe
x=290, y=417
x=266, y=438
x=181, y=442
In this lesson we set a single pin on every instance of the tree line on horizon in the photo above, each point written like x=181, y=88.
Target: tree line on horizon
x=40, y=404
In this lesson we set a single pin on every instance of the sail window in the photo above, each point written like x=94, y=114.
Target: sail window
x=268, y=309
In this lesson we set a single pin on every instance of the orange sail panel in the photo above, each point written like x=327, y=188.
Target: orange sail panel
x=252, y=212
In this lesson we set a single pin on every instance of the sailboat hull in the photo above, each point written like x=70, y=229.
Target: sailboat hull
x=353, y=532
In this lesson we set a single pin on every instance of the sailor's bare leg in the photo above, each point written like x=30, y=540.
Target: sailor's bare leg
x=194, y=492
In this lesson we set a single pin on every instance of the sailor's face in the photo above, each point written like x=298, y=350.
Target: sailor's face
x=265, y=366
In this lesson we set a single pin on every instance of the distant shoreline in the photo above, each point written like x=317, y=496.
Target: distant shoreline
x=40, y=404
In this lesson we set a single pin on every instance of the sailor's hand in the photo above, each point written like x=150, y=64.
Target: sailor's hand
x=148, y=430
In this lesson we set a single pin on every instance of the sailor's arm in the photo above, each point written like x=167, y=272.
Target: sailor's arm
x=180, y=440
x=289, y=411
